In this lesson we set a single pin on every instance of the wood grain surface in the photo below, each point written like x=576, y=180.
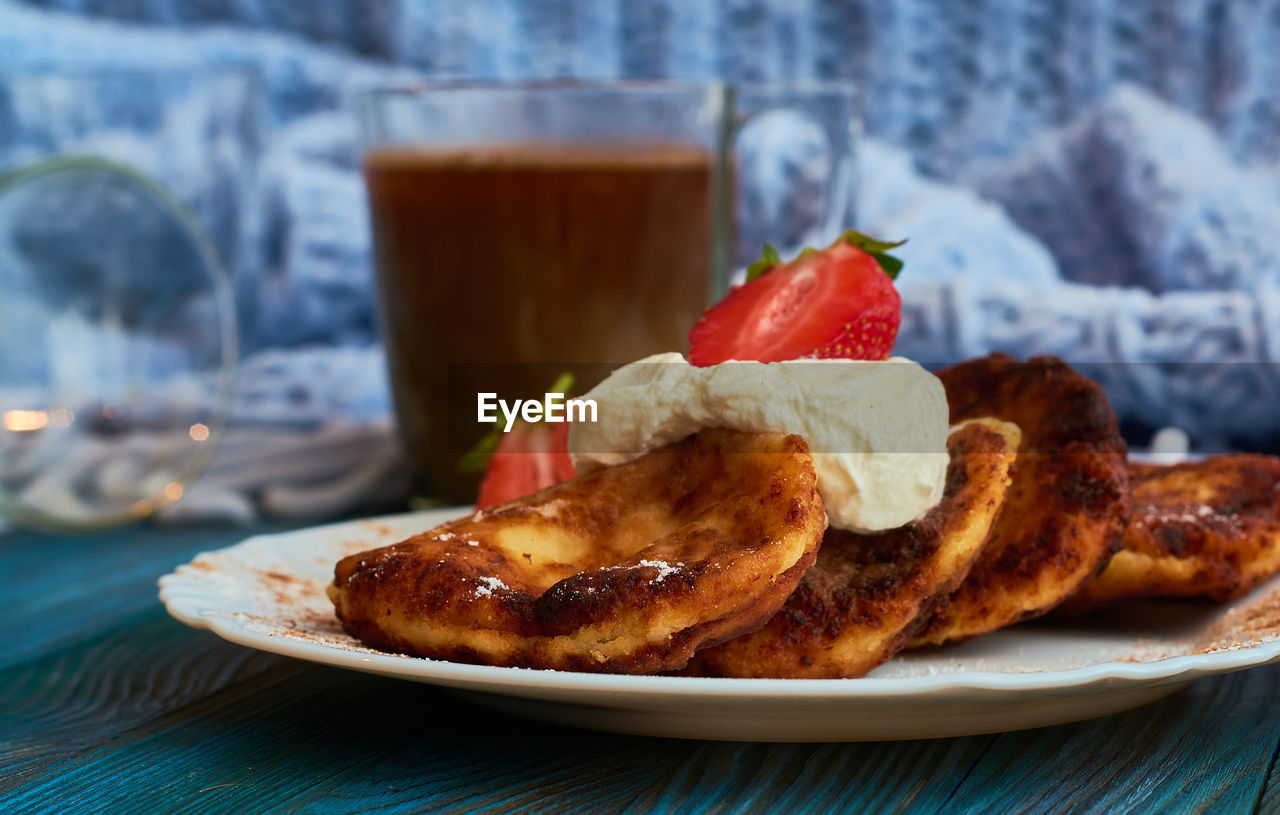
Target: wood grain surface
x=106, y=703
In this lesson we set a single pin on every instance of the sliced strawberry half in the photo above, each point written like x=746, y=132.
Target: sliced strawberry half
x=532, y=456
x=834, y=302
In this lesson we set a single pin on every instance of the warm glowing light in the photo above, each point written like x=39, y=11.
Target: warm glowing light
x=61, y=417
x=20, y=421
x=199, y=432
x=173, y=490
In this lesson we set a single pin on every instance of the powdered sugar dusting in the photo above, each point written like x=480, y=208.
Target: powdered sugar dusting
x=663, y=568
x=1189, y=515
x=488, y=585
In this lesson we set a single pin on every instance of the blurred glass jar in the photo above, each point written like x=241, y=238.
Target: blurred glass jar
x=120, y=194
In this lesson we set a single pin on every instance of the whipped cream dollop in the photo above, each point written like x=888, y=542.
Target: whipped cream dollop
x=877, y=430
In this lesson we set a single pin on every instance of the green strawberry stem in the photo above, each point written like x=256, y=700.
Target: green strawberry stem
x=476, y=460
x=768, y=259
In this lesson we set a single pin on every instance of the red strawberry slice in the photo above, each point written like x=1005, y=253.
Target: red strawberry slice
x=834, y=302
x=532, y=456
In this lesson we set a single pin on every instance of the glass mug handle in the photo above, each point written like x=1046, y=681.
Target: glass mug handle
x=792, y=167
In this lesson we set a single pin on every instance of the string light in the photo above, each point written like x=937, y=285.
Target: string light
x=24, y=421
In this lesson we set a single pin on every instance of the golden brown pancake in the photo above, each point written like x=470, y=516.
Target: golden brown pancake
x=854, y=608
x=1207, y=528
x=629, y=569
x=1068, y=504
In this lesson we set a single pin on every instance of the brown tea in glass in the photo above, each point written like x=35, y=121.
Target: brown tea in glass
x=498, y=266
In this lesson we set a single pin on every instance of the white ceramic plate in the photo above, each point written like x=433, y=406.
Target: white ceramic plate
x=268, y=593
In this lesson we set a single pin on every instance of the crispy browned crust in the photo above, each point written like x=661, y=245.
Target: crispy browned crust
x=1207, y=528
x=629, y=569
x=855, y=607
x=1068, y=504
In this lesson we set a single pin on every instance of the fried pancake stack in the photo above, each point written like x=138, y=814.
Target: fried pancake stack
x=711, y=556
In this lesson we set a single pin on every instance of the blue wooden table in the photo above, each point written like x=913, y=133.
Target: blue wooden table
x=105, y=702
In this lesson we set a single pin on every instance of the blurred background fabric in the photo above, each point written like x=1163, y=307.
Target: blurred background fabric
x=1093, y=179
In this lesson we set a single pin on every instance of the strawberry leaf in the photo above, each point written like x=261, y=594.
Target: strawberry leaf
x=878, y=249
x=768, y=259
x=889, y=263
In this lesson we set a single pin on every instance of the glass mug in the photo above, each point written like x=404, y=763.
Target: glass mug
x=521, y=230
